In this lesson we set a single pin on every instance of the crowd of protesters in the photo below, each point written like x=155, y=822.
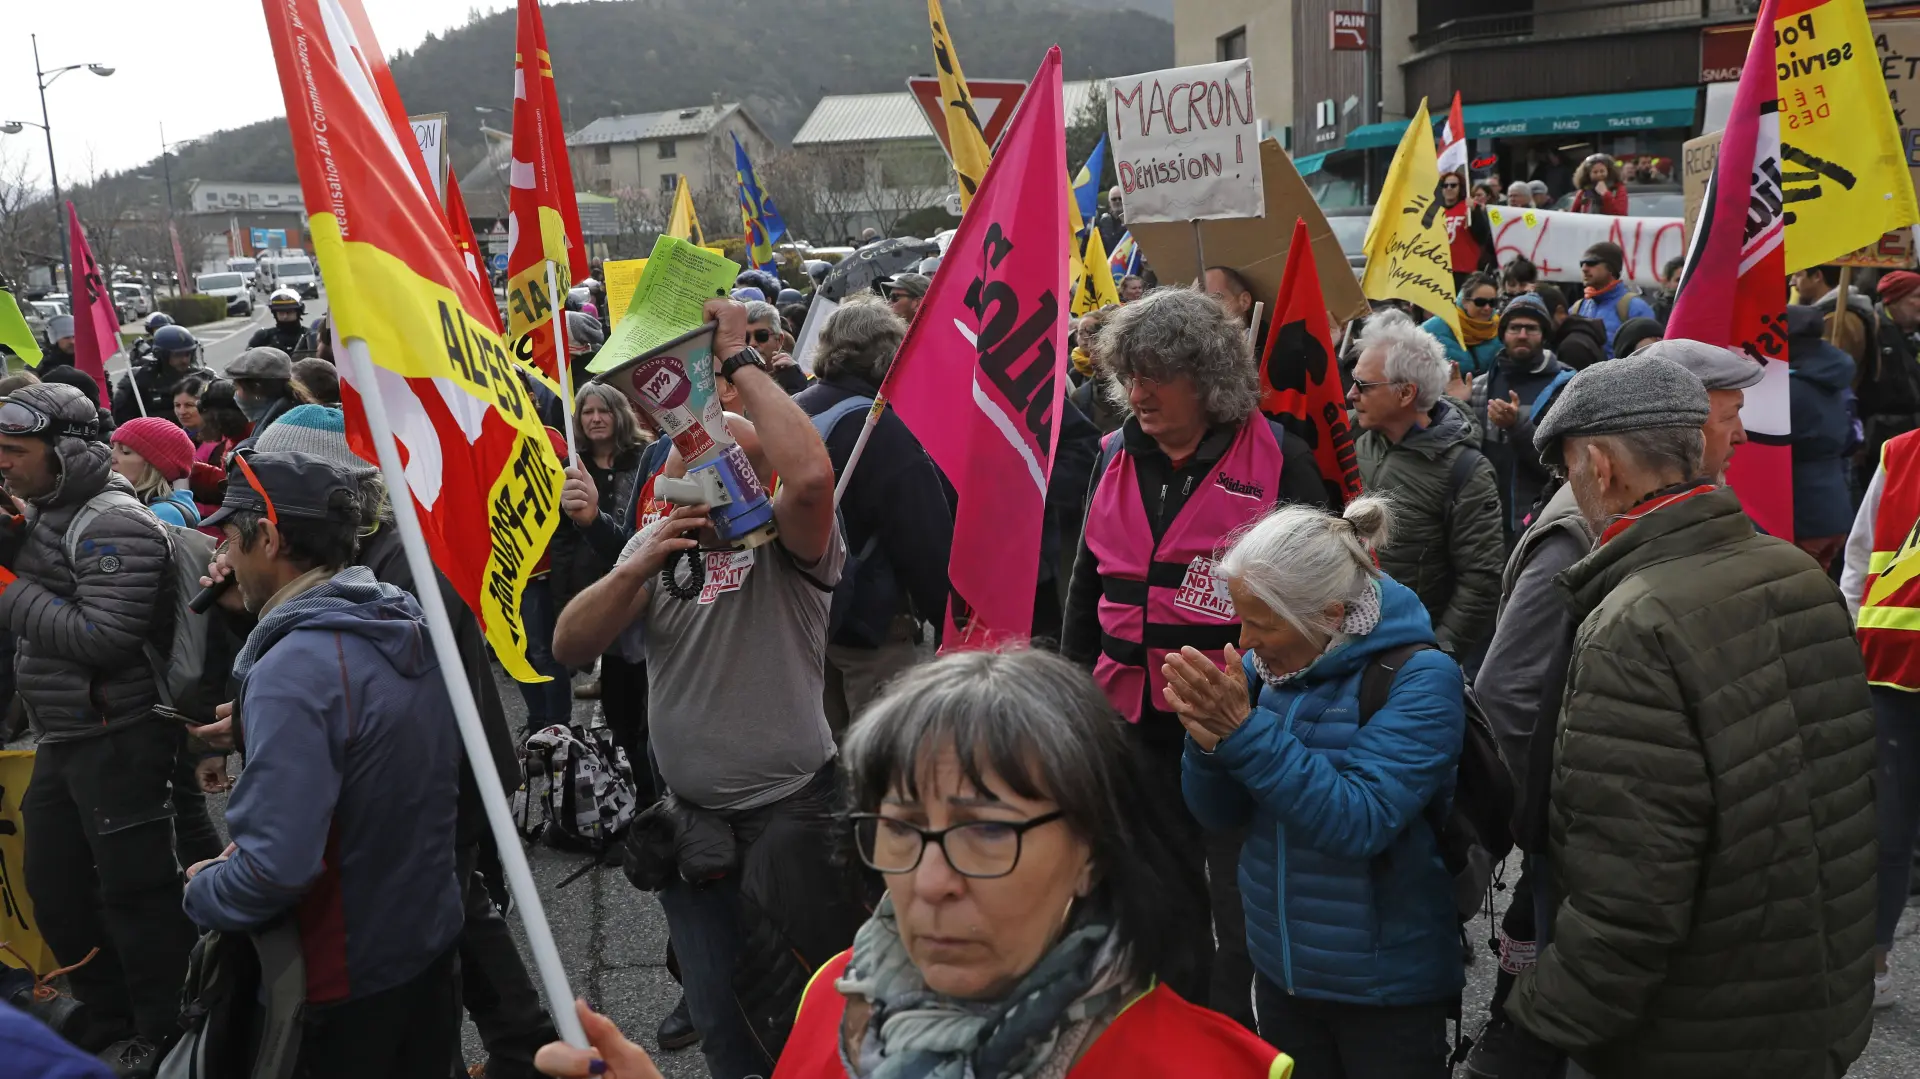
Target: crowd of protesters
x=1207, y=824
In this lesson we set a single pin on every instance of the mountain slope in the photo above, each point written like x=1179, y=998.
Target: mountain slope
x=777, y=56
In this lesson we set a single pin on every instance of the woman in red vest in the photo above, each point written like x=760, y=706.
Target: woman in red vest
x=1031, y=885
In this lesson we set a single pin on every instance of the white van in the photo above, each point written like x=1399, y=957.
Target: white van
x=295, y=272
x=229, y=286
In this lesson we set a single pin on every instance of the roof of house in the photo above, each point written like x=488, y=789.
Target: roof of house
x=641, y=126
x=845, y=118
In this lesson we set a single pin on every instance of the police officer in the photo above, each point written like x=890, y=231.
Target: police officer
x=143, y=348
x=148, y=388
x=287, y=333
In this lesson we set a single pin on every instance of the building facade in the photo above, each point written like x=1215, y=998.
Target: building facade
x=657, y=151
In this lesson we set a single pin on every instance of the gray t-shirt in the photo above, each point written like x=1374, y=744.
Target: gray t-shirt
x=735, y=676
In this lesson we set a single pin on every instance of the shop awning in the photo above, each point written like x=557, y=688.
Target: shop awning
x=1310, y=164
x=1637, y=110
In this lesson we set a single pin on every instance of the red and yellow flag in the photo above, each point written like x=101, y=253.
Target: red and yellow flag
x=543, y=221
x=460, y=227
x=481, y=473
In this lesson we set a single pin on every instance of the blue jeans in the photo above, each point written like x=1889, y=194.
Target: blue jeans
x=548, y=703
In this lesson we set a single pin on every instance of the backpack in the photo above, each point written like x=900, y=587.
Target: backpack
x=177, y=676
x=1474, y=831
x=846, y=618
x=1457, y=476
x=576, y=789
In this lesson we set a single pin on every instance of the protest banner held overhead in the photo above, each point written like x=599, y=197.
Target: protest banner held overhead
x=483, y=478
x=1731, y=289
x=1554, y=240
x=991, y=424
x=1299, y=384
x=1186, y=143
x=543, y=221
x=1407, y=253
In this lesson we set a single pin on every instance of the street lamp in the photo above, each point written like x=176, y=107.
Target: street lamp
x=45, y=79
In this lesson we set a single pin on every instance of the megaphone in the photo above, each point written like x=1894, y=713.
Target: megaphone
x=672, y=384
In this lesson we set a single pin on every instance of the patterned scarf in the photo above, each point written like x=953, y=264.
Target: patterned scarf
x=1362, y=618
x=1033, y=1032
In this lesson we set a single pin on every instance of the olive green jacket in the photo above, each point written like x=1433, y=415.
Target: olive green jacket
x=1452, y=562
x=1711, y=829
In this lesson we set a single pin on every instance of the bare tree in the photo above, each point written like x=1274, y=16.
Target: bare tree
x=28, y=232
x=641, y=220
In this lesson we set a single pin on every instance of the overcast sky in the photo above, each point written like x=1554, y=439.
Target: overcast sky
x=196, y=66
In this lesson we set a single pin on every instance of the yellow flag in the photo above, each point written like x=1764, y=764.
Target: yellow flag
x=1407, y=253
x=1844, y=170
x=1094, y=276
x=684, y=224
x=967, y=144
x=18, y=925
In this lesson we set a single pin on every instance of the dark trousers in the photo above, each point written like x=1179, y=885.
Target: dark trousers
x=1218, y=973
x=411, y=1031
x=623, y=699
x=548, y=702
x=786, y=873
x=1332, y=1040
x=1896, y=791
x=194, y=837
x=101, y=869
x=1519, y=941
x=494, y=983
x=1230, y=988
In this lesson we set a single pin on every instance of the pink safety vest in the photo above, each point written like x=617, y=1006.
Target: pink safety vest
x=1159, y=597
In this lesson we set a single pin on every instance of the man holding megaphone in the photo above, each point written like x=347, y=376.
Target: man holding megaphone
x=735, y=649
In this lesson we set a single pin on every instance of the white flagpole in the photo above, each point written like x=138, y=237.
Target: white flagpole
x=564, y=362
x=546, y=957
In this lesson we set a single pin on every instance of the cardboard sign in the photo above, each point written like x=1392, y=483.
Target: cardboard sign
x=1554, y=240
x=1257, y=248
x=1893, y=251
x=1186, y=143
x=18, y=925
x=430, y=132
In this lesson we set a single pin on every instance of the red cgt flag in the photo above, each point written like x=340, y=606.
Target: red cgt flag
x=543, y=220
x=1299, y=385
x=460, y=227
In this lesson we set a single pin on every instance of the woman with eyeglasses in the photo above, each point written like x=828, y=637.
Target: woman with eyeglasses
x=1349, y=905
x=1478, y=342
x=1031, y=917
x=1469, y=232
x=766, y=334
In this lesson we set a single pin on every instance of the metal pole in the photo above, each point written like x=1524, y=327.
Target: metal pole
x=546, y=957
x=53, y=170
x=563, y=361
x=166, y=169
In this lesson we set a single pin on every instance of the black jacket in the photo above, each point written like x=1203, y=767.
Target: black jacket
x=1516, y=464
x=582, y=554
x=156, y=384
x=1580, y=342
x=290, y=338
x=897, y=495
x=1889, y=389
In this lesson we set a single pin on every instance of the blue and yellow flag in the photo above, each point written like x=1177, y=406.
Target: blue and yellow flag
x=1086, y=182
x=757, y=212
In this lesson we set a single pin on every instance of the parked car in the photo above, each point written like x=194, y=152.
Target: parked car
x=1350, y=228
x=230, y=286
x=39, y=314
x=131, y=296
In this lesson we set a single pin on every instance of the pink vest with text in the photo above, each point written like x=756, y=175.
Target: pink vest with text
x=1158, y=597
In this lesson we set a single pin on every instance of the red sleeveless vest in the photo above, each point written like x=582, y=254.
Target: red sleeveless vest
x=1158, y=1035
x=1158, y=598
x=1889, y=623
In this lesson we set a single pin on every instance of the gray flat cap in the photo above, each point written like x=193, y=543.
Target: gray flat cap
x=1717, y=367
x=1638, y=393
x=264, y=361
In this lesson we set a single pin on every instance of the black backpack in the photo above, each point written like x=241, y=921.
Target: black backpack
x=1475, y=833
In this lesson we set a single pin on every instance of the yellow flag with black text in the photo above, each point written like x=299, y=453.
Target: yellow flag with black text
x=1406, y=246
x=964, y=138
x=1844, y=172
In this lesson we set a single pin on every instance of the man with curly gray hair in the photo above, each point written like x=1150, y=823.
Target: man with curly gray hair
x=1193, y=463
x=1417, y=446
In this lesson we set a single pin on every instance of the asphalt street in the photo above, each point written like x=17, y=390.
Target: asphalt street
x=220, y=342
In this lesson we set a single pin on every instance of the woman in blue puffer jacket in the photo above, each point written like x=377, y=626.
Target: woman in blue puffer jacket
x=1350, y=910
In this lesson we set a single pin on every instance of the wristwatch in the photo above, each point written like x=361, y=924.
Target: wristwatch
x=742, y=358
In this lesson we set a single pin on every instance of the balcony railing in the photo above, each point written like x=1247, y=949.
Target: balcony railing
x=1553, y=20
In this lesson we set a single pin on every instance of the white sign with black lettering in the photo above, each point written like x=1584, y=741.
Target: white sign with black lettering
x=1186, y=143
x=430, y=131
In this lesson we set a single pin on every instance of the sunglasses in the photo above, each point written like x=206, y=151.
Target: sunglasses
x=1361, y=386
x=1591, y=262
x=760, y=337
x=1451, y=184
x=1480, y=302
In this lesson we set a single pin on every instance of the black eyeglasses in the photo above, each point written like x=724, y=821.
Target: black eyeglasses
x=980, y=849
x=1480, y=301
x=761, y=337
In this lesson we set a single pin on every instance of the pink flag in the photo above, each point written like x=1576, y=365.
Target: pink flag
x=96, y=326
x=1453, y=140
x=982, y=372
x=1730, y=292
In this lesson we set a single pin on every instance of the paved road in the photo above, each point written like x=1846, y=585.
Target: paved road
x=221, y=342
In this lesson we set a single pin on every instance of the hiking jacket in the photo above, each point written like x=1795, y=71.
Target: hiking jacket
x=1612, y=307
x=80, y=667
x=1581, y=342
x=1516, y=463
x=345, y=813
x=1346, y=895
x=1448, y=552
x=1711, y=825
x=1820, y=397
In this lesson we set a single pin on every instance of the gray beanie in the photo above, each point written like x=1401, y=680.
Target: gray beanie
x=1636, y=393
x=60, y=326
x=316, y=430
x=1717, y=367
x=262, y=361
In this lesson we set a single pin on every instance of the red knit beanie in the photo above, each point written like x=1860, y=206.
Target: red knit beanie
x=165, y=446
x=1897, y=284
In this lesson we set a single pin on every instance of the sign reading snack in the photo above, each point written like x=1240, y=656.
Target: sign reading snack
x=1186, y=143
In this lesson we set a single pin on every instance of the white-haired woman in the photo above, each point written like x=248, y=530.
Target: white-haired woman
x=1349, y=907
x=1194, y=462
x=768, y=334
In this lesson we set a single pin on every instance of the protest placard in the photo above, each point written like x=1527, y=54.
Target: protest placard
x=1186, y=143
x=622, y=275
x=668, y=300
x=430, y=132
x=1257, y=248
x=1553, y=240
